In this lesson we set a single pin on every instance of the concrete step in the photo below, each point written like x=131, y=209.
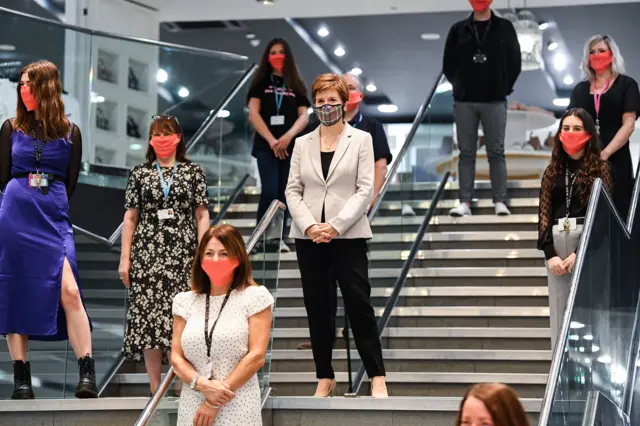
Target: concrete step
x=438, y=337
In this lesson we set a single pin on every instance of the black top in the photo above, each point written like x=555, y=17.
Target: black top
x=492, y=80
x=325, y=158
x=291, y=101
x=75, y=163
x=553, y=206
x=623, y=96
x=366, y=124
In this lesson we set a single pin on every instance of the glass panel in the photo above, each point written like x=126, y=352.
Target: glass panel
x=596, y=352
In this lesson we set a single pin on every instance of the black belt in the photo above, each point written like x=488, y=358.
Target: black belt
x=50, y=177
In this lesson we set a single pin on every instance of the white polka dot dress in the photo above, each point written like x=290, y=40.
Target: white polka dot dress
x=230, y=344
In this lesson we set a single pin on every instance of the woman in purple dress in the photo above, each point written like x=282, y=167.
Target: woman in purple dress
x=40, y=157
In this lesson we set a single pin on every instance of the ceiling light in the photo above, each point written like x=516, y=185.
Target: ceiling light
x=595, y=348
x=563, y=102
x=135, y=147
x=576, y=325
x=224, y=113
x=267, y=2
x=444, y=87
x=387, y=108
x=7, y=47
x=543, y=26
x=552, y=46
x=255, y=42
x=605, y=359
x=95, y=98
x=588, y=337
x=162, y=76
x=250, y=36
x=568, y=80
x=356, y=71
x=371, y=87
x=183, y=92
x=430, y=36
x=323, y=31
x=574, y=337
x=560, y=61
x=339, y=51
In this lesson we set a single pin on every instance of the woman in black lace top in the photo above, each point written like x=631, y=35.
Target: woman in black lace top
x=564, y=196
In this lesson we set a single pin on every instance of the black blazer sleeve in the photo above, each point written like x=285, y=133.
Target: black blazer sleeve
x=449, y=57
x=514, y=57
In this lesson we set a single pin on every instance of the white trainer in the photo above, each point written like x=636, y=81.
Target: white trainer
x=284, y=248
x=407, y=210
x=502, y=209
x=462, y=210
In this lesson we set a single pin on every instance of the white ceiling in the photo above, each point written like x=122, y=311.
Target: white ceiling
x=198, y=10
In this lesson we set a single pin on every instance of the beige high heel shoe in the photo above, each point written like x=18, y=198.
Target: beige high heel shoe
x=330, y=392
x=379, y=391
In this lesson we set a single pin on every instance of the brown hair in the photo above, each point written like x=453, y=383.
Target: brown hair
x=232, y=240
x=331, y=81
x=46, y=87
x=501, y=401
x=167, y=125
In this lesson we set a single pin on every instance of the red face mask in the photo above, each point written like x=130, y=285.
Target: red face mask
x=354, y=100
x=28, y=99
x=600, y=61
x=480, y=5
x=220, y=272
x=165, y=146
x=574, y=142
x=277, y=61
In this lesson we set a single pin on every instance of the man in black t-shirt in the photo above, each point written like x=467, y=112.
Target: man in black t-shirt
x=482, y=61
x=381, y=152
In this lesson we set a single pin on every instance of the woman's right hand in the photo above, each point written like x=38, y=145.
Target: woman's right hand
x=556, y=266
x=123, y=271
x=215, y=391
x=318, y=234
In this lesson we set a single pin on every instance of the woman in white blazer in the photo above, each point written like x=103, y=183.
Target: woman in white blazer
x=329, y=189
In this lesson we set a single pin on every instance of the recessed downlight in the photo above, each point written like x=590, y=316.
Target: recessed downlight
x=568, y=80
x=7, y=48
x=183, y=92
x=162, y=76
x=356, y=71
x=387, y=108
x=430, y=36
x=323, y=31
x=339, y=52
x=561, y=102
x=552, y=46
x=371, y=87
x=543, y=26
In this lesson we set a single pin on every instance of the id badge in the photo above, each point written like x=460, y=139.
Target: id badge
x=208, y=370
x=277, y=120
x=38, y=180
x=165, y=214
x=568, y=224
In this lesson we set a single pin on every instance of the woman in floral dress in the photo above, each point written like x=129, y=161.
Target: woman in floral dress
x=167, y=213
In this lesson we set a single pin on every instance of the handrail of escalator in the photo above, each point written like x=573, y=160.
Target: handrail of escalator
x=232, y=198
x=261, y=228
x=404, y=273
x=598, y=190
x=420, y=116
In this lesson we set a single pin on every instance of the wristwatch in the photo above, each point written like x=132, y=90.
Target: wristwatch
x=194, y=381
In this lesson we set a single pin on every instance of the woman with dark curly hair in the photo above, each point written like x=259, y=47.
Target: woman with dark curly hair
x=564, y=195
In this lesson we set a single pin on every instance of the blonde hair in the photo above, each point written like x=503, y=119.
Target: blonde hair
x=331, y=81
x=617, y=65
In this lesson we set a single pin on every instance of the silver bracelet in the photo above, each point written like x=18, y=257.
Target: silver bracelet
x=194, y=382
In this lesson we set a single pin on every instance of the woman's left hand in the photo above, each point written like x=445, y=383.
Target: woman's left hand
x=569, y=262
x=329, y=230
x=205, y=416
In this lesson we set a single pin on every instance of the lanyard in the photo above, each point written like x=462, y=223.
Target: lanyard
x=357, y=122
x=569, y=179
x=38, y=149
x=208, y=335
x=596, y=100
x=166, y=187
x=484, y=37
x=279, y=97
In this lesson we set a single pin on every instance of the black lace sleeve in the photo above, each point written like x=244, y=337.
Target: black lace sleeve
x=75, y=163
x=5, y=154
x=545, y=218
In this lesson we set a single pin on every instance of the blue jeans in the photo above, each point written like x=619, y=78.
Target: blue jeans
x=274, y=174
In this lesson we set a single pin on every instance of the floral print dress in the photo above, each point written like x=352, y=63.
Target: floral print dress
x=162, y=251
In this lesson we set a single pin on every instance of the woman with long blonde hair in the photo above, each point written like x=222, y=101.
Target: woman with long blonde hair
x=40, y=158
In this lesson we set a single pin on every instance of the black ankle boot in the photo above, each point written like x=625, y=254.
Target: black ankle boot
x=87, y=385
x=22, y=388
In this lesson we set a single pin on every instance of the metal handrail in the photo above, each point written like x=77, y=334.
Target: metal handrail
x=404, y=273
x=420, y=116
x=212, y=53
x=206, y=124
x=261, y=228
x=116, y=366
x=598, y=191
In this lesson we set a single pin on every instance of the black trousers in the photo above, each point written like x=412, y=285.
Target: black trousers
x=346, y=262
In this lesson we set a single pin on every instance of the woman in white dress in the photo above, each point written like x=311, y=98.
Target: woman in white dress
x=221, y=368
